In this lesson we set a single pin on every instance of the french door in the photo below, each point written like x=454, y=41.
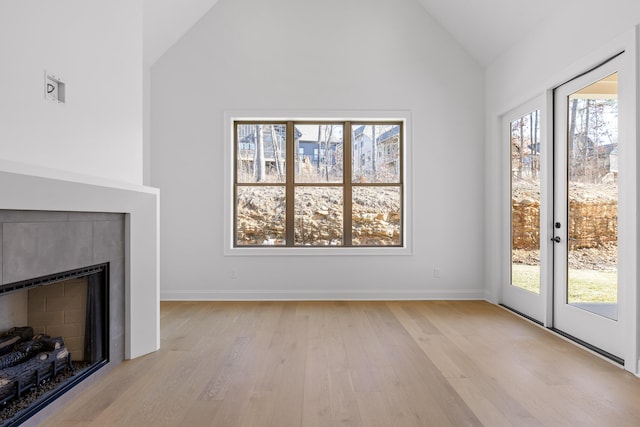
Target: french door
x=563, y=210
x=528, y=163
x=585, y=219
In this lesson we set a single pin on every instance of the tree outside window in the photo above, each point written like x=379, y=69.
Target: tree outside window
x=310, y=184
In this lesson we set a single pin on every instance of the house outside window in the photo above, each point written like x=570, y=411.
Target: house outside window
x=317, y=184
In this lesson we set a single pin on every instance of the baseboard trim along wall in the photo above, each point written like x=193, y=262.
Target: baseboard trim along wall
x=320, y=295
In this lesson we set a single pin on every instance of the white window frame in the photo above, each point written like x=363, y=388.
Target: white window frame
x=402, y=116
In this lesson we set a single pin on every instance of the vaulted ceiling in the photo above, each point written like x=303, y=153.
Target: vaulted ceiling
x=485, y=28
x=166, y=21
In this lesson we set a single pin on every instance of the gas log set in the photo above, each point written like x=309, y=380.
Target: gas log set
x=28, y=360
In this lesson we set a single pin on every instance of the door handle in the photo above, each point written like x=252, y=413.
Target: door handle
x=556, y=239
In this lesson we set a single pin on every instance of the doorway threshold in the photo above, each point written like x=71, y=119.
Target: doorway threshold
x=605, y=354
x=591, y=347
x=519, y=313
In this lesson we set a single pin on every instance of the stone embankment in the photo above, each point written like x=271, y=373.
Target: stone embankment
x=376, y=216
x=593, y=217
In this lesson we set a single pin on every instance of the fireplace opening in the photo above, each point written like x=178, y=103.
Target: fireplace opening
x=54, y=332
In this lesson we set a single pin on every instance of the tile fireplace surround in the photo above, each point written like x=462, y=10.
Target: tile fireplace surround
x=106, y=218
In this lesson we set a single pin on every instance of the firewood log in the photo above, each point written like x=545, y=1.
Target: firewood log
x=38, y=367
x=15, y=336
x=25, y=350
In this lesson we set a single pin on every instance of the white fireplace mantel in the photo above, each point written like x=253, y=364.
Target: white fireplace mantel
x=24, y=187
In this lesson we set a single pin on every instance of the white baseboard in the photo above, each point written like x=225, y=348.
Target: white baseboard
x=320, y=295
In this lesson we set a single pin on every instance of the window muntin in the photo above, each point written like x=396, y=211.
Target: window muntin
x=260, y=152
x=376, y=218
x=320, y=148
x=319, y=213
x=260, y=215
x=383, y=140
x=314, y=203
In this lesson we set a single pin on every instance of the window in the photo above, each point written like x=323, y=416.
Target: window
x=317, y=184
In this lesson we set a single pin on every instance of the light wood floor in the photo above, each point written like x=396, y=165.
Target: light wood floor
x=356, y=364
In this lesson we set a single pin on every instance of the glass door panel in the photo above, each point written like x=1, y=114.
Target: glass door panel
x=592, y=252
x=527, y=249
x=585, y=297
x=525, y=201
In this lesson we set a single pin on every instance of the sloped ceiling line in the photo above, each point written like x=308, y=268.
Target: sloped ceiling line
x=485, y=28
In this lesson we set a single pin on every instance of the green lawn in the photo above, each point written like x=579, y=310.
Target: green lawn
x=586, y=285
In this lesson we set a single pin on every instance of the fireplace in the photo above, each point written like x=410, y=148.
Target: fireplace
x=63, y=289
x=59, y=338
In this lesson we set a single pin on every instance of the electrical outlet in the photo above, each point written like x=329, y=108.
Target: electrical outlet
x=234, y=273
x=436, y=273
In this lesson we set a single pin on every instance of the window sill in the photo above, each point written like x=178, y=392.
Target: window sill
x=319, y=251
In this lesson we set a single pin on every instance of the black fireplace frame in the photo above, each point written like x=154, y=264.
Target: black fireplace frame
x=104, y=294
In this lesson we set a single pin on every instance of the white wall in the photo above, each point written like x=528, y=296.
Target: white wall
x=96, y=48
x=319, y=56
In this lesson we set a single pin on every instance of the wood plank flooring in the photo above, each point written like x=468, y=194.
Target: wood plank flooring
x=433, y=363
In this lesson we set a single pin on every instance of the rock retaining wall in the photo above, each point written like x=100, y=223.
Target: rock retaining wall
x=592, y=224
x=376, y=216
